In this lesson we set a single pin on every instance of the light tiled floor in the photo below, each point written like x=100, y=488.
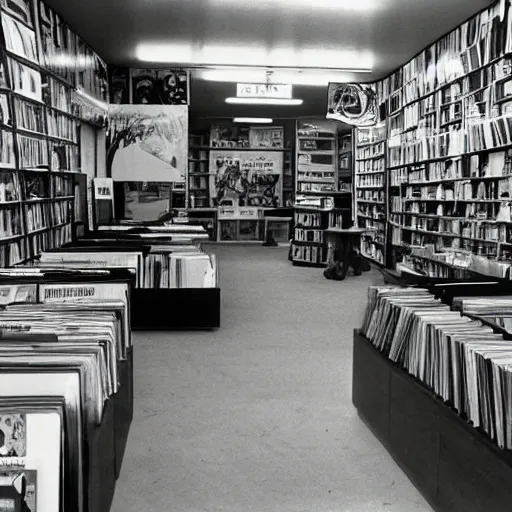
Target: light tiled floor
x=257, y=417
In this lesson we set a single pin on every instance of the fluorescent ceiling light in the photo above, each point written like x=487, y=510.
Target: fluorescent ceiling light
x=342, y=5
x=263, y=101
x=255, y=56
x=254, y=120
x=258, y=76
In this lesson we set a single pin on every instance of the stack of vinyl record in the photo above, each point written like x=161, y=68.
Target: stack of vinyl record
x=166, y=265
x=61, y=349
x=465, y=360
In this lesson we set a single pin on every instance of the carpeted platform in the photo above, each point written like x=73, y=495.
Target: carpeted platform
x=257, y=417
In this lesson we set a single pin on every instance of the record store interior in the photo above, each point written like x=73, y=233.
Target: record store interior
x=256, y=256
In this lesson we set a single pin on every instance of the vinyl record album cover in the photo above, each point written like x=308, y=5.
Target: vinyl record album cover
x=159, y=86
x=21, y=9
x=354, y=104
x=13, y=436
x=18, y=490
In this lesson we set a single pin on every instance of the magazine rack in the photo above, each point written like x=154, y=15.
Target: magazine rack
x=455, y=466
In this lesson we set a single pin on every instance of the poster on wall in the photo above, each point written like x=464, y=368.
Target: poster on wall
x=119, y=85
x=229, y=136
x=147, y=143
x=354, y=104
x=246, y=178
x=159, y=86
x=21, y=9
x=266, y=138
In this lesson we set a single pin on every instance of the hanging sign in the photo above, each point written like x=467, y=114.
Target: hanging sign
x=279, y=91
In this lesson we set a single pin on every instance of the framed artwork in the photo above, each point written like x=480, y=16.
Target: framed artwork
x=148, y=143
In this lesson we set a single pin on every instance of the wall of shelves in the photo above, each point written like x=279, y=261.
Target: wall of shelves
x=448, y=158
x=44, y=65
x=370, y=188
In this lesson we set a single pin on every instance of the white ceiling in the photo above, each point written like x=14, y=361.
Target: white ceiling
x=394, y=32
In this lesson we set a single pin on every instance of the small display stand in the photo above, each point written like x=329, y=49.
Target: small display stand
x=240, y=224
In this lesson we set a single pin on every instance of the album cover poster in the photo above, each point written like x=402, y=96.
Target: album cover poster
x=25, y=80
x=30, y=461
x=148, y=143
x=229, y=136
x=246, y=178
x=19, y=39
x=353, y=104
x=263, y=137
x=159, y=86
x=21, y=9
x=17, y=293
x=119, y=85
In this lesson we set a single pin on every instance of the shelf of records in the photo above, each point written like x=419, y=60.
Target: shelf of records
x=42, y=141
x=67, y=403
x=36, y=34
x=165, y=267
x=174, y=283
x=462, y=56
x=370, y=191
x=309, y=244
x=317, y=157
x=431, y=380
x=36, y=213
x=460, y=206
x=465, y=360
x=157, y=263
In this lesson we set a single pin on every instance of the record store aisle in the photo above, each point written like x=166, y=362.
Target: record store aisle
x=257, y=417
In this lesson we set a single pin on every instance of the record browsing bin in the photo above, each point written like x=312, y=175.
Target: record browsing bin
x=452, y=464
x=103, y=441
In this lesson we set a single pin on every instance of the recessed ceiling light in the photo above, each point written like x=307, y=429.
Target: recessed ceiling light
x=255, y=56
x=264, y=101
x=255, y=120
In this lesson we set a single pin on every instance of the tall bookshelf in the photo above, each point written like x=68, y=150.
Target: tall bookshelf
x=323, y=188
x=449, y=150
x=43, y=66
x=370, y=188
x=316, y=156
x=345, y=152
x=199, y=171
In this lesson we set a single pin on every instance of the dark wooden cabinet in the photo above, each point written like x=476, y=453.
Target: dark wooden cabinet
x=456, y=467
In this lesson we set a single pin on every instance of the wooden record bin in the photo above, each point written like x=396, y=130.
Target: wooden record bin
x=162, y=309
x=104, y=444
x=455, y=466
